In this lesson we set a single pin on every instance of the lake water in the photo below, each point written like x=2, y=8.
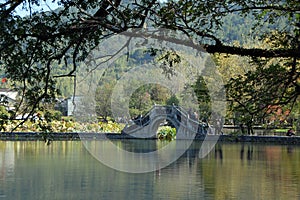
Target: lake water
x=66, y=170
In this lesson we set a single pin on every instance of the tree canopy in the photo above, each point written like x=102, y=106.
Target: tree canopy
x=33, y=44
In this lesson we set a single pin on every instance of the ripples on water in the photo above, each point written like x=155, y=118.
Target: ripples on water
x=65, y=170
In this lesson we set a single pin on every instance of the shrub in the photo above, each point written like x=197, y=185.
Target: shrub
x=166, y=133
x=52, y=115
x=173, y=100
x=4, y=116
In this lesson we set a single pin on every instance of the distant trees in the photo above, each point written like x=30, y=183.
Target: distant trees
x=102, y=99
x=173, y=100
x=203, y=98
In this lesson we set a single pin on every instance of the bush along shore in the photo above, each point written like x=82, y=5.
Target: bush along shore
x=61, y=126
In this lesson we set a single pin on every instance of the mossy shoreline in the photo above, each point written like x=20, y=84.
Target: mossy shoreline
x=39, y=136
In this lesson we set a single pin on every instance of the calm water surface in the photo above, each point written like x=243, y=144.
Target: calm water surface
x=65, y=170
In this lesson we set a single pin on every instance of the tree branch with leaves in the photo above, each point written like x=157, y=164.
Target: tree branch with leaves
x=31, y=46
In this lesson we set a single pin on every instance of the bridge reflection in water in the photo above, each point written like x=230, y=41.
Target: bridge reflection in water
x=146, y=126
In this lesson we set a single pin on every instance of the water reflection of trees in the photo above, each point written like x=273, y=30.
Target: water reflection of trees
x=249, y=151
x=218, y=152
x=290, y=149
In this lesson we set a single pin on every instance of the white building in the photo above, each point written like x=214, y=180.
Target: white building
x=8, y=98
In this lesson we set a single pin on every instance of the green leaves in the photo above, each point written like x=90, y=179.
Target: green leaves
x=4, y=116
x=166, y=133
x=169, y=61
x=254, y=92
x=31, y=46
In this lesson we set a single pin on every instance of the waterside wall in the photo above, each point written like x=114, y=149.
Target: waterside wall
x=29, y=136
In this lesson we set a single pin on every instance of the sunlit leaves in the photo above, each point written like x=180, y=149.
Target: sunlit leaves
x=253, y=92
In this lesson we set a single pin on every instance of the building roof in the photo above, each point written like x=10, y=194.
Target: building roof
x=9, y=93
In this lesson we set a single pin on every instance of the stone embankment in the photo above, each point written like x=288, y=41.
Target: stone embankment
x=29, y=136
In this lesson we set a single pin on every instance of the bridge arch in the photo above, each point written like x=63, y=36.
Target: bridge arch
x=147, y=126
x=157, y=121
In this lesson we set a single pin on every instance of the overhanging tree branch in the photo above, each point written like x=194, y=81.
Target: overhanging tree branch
x=254, y=52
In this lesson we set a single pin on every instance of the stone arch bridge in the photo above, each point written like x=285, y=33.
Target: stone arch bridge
x=147, y=125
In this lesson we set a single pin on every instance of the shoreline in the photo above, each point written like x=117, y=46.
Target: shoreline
x=36, y=136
